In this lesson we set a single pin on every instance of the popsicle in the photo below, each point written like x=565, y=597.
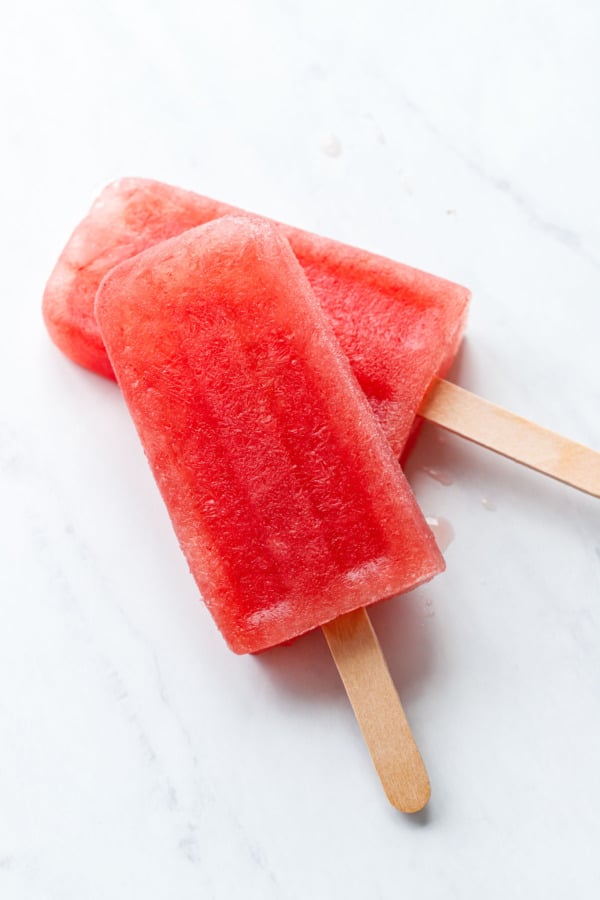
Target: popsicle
x=284, y=494
x=399, y=327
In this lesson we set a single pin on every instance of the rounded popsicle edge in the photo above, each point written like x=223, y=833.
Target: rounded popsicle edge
x=377, y=707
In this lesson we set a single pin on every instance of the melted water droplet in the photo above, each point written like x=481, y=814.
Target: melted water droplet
x=317, y=71
x=428, y=612
x=443, y=531
x=440, y=475
x=488, y=504
x=331, y=145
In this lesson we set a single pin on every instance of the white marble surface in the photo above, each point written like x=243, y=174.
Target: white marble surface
x=138, y=757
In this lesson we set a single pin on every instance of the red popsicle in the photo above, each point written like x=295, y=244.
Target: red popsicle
x=284, y=494
x=399, y=327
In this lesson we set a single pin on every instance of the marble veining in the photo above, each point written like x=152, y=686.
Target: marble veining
x=526, y=205
x=138, y=756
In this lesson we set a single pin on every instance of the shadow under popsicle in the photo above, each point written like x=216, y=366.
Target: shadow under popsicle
x=493, y=475
x=494, y=481
x=305, y=667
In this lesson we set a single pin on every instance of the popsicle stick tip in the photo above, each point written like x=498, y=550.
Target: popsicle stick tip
x=421, y=802
x=411, y=805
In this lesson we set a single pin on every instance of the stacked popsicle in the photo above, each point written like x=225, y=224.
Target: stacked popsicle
x=284, y=494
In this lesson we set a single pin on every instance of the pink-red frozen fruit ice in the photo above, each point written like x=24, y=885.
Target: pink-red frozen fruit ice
x=283, y=491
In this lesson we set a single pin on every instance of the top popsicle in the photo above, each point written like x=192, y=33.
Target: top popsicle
x=398, y=326
x=281, y=487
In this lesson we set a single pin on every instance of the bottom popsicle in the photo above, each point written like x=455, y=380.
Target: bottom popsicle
x=398, y=326
x=282, y=489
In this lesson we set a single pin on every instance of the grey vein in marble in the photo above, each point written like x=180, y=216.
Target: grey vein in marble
x=565, y=236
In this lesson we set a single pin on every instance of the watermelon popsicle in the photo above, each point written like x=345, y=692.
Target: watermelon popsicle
x=399, y=327
x=284, y=494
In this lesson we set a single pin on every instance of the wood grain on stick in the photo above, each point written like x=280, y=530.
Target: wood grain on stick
x=360, y=662
x=496, y=428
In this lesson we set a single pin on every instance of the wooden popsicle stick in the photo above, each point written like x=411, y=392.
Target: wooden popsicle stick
x=496, y=428
x=363, y=669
